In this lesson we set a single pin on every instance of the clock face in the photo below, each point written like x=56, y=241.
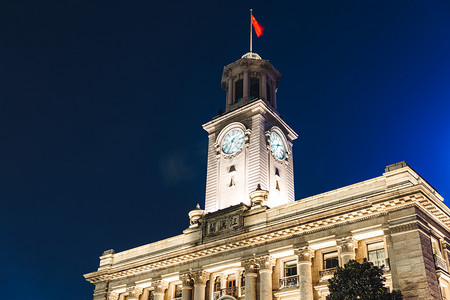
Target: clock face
x=232, y=141
x=277, y=145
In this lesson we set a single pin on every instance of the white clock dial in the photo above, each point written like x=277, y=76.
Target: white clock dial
x=277, y=145
x=232, y=141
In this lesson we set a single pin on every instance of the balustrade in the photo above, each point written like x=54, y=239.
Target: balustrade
x=327, y=273
x=288, y=282
x=440, y=263
x=381, y=263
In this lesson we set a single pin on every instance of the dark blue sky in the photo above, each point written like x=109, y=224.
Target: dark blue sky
x=102, y=102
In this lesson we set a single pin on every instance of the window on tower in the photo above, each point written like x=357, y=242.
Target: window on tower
x=238, y=90
x=268, y=93
x=254, y=88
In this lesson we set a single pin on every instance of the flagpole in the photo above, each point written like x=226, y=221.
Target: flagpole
x=251, y=19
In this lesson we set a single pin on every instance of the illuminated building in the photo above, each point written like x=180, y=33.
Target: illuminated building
x=254, y=241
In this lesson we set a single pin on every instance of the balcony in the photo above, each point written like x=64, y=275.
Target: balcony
x=288, y=282
x=382, y=263
x=232, y=291
x=440, y=263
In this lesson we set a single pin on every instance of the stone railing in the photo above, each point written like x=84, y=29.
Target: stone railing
x=440, y=263
x=327, y=273
x=287, y=282
x=177, y=298
x=382, y=263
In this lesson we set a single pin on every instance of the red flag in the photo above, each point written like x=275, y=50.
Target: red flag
x=258, y=28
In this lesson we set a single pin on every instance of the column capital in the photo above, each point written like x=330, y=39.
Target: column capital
x=186, y=280
x=199, y=277
x=160, y=286
x=304, y=253
x=250, y=266
x=113, y=296
x=134, y=292
x=347, y=244
x=265, y=262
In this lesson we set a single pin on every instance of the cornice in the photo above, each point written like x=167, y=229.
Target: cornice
x=373, y=207
x=254, y=105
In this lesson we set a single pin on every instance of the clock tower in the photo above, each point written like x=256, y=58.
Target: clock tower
x=250, y=146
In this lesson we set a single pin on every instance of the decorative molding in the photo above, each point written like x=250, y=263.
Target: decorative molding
x=377, y=208
x=186, y=280
x=304, y=253
x=134, y=292
x=347, y=244
x=113, y=296
x=160, y=286
x=199, y=277
x=250, y=266
x=266, y=262
x=404, y=227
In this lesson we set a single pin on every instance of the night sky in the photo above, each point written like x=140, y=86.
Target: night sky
x=102, y=102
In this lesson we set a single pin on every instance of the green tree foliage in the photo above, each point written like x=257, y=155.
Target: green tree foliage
x=360, y=281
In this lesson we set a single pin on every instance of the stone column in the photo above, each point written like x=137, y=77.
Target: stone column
x=305, y=254
x=250, y=278
x=187, y=282
x=134, y=292
x=347, y=245
x=230, y=98
x=160, y=287
x=263, y=87
x=266, y=264
x=246, y=86
x=200, y=278
x=444, y=246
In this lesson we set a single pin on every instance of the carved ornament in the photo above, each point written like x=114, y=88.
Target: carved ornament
x=347, y=244
x=134, y=292
x=113, y=296
x=265, y=262
x=200, y=277
x=186, y=280
x=250, y=266
x=160, y=286
x=304, y=253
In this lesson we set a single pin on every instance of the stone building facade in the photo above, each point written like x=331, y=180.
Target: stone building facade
x=253, y=241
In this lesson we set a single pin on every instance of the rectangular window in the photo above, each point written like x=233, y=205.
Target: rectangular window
x=376, y=251
x=290, y=268
x=231, y=283
x=330, y=260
